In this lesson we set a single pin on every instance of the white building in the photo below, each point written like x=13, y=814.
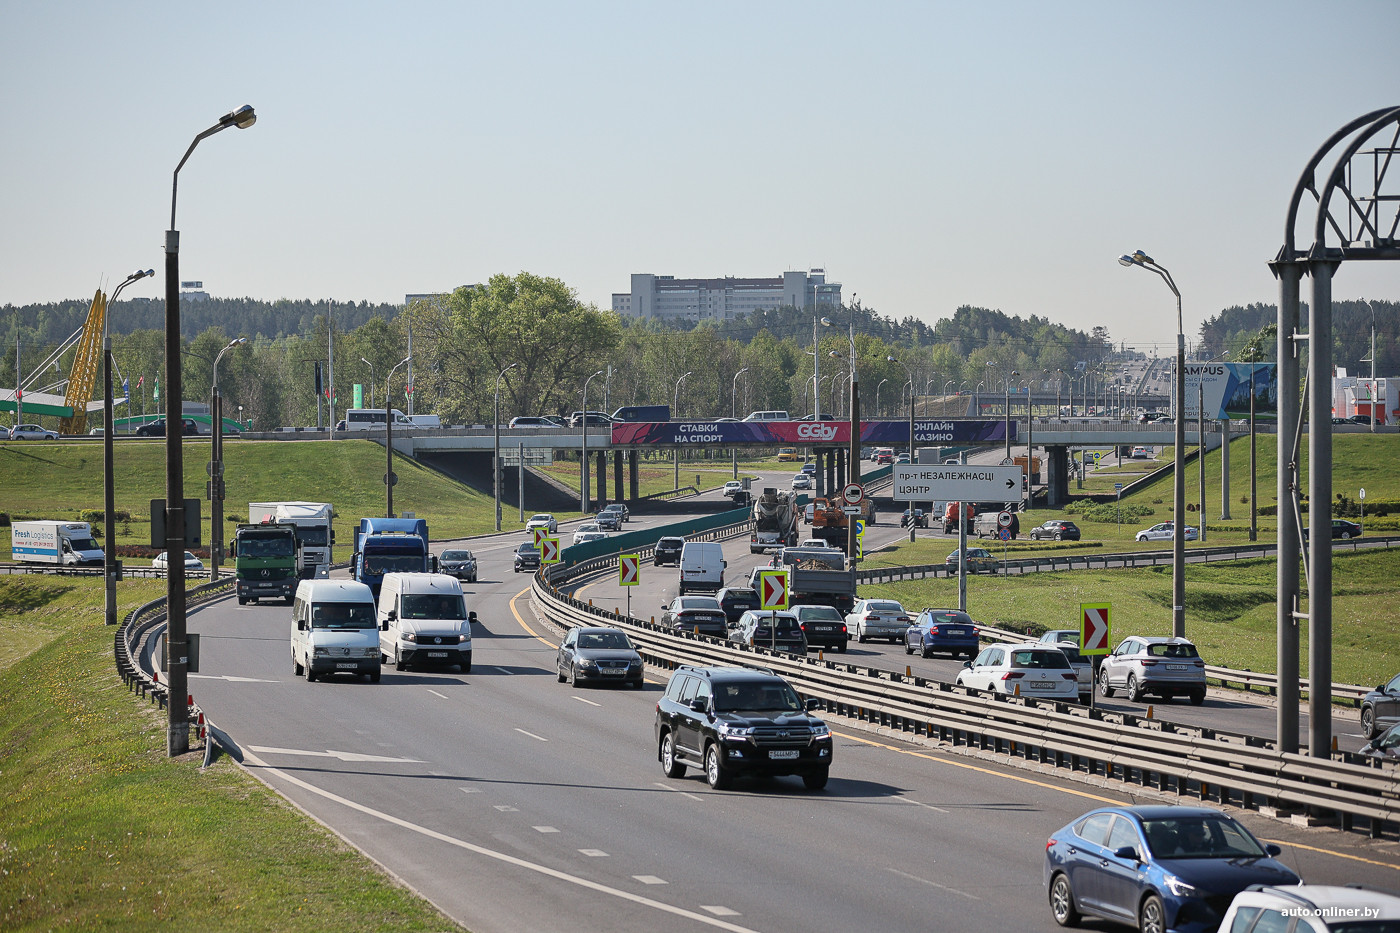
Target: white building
x=1360, y=395
x=668, y=298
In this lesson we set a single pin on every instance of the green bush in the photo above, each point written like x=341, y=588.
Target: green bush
x=97, y=516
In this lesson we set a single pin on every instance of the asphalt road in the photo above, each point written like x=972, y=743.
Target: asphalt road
x=516, y=803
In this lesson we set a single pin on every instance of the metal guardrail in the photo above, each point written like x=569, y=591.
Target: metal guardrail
x=1188, y=760
x=133, y=640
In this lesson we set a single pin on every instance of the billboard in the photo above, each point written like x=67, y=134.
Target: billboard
x=1224, y=389
x=809, y=433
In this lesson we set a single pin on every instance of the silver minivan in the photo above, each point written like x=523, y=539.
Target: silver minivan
x=334, y=630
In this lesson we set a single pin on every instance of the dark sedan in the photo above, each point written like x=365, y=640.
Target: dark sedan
x=608, y=521
x=737, y=600
x=699, y=614
x=1155, y=867
x=527, y=557
x=1341, y=530
x=1380, y=709
x=824, y=626
x=1057, y=529
x=598, y=655
x=459, y=563
x=943, y=631
x=667, y=551
x=157, y=428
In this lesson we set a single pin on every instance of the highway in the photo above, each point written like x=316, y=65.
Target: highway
x=517, y=803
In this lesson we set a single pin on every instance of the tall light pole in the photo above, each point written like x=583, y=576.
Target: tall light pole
x=390, y=480
x=853, y=455
x=910, y=373
x=216, y=468
x=496, y=443
x=676, y=451
x=734, y=413
x=109, y=489
x=583, y=431
x=1372, y=393
x=878, y=386
x=177, y=735
x=1143, y=261
x=371, y=388
x=1006, y=412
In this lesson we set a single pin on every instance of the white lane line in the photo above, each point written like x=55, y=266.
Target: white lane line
x=531, y=735
x=719, y=911
x=926, y=806
x=681, y=792
x=650, y=879
x=589, y=702
x=933, y=884
x=505, y=808
x=470, y=790
x=329, y=753
x=501, y=670
x=593, y=853
x=435, y=693
x=544, y=829
x=231, y=679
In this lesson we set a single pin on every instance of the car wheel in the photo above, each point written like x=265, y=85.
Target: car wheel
x=860, y=637
x=296, y=666
x=558, y=672
x=1062, y=906
x=398, y=661
x=306, y=669
x=1198, y=697
x=841, y=647
x=374, y=678
x=242, y=601
x=1104, y=688
x=1346, y=535
x=1134, y=688
x=909, y=649
x=1059, y=537
x=816, y=780
x=926, y=653
x=1151, y=917
x=1368, y=722
x=715, y=772
x=573, y=676
x=669, y=765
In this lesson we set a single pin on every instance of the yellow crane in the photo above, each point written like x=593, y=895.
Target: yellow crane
x=83, y=376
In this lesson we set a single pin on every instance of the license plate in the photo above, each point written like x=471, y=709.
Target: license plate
x=346, y=665
x=437, y=654
x=614, y=671
x=954, y=631
x=783, y=755
x=1176, y=667
x=1041, y=685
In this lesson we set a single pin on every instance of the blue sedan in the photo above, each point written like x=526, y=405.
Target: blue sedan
x=942, y=631
x=1158, y=868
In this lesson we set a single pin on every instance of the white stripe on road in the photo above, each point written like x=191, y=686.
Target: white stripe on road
x=531, y=735
x=329, y=753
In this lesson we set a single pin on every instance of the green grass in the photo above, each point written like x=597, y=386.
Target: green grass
x=99, y=829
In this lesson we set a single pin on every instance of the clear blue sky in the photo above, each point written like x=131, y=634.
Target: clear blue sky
x=927, y=155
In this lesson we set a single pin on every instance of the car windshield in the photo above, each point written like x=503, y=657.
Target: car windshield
x=604, y=640
x=539, y=518
x=763, y=695
x=394, y=563
x=947, y=616
x=456, y=555
x=312, y=535
x=527, y=550
x=1036, y=658
x=1201, y=837
x=670, y=542
x=884, y=605
x=433, y=606
x=740, y=598
x=819, y=613
x=343, y=615
x=1166, y=650
x=699, y=602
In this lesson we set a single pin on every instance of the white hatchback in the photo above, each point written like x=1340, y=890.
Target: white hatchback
x=1027, y=669
x=878, y=618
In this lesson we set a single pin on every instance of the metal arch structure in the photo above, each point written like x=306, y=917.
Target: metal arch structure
x=86, y=361
x=1363, y=224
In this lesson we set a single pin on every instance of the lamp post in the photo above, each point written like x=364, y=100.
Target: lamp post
x=1006, y=412
x=909, y=372
x=389, y=478
x=216, y=467
x=177, y=736
x=109, y=490
x=371, y=388
x=676, y=451
x=1143, y=261
x=583, y=432
x=496, y=443
x=734, y=413
x=1372, y=391
x=853, y=455
x=878, y=386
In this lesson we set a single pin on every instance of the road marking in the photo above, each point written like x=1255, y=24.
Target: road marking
x=231, y=679
x=531, y=735
x=436, y=694
x=589, y=702
x=649, y=879
x=470, y=790
x=506, y=808
x=501, y=670
x=329, y=753
x=933, y=884
x=720, y=911
x=916, y=803
x=593, y=853
x=544, y=829
x=681, y=792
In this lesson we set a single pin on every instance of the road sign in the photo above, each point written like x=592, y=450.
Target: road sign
x=629, y=572
x=549, y=551
x=850, y=509
x=1007, y=461
x=1004, y=534
x=1117, y=487
x=860, y=528
x=1095, y=629
x=1004, y=520
x=953, y=482
x=539, y=534
x=772, y=589
x=852, y=493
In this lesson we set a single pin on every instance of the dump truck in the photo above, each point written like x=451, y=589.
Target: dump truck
x=831, y=523
x=816, y=575
x=774, y=520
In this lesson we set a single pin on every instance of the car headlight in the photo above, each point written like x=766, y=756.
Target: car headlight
x=820, y=731
x=370, y=652
x=585, y=662
x=733, y=731
x=321, y=653
x=409, y=636
x=1178, y=887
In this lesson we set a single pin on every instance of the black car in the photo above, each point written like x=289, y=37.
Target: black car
x=736, y=600
x=157, y=428
x=459, y=563
x=1341, y=529
x=735, y=721
x=919, y=517
x=598, y=655
x=608, y=521
x=1359, y=419
x=700, y=615
x=527, y=557
x=824, y=626
x=1380, y=709
x=1059, y=529
x=668, y=551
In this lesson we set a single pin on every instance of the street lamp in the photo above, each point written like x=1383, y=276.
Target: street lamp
x=910, y=373
x=1143, y=261
x=878, y=386
x=1006, y=413
x=676, y=451
x=177, y=736
x=371, y=389
x=733, y=393
x=109, y=490
x=216, y=469
x=583, y=431
x=853, y=455
x=1372, y=387
x=496, y=443
x=390, y=480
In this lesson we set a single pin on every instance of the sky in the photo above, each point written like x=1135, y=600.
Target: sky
x=926, y=155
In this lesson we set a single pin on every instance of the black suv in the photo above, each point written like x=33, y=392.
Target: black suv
x=667, y=551
x=1059, y=529
x=157, y=428
x=731, y=721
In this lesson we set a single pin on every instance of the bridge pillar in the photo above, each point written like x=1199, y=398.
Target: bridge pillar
x=602, y=461
x=1057, y=476
x=633, y=485
x=618, y=494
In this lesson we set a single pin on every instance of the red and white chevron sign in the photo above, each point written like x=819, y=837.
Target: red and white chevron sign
x=549, y=550
x=1095, y=631
x=629, y=572
x=773, y=589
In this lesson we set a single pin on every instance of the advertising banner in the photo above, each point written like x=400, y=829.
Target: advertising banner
x=1225, y=387
x=808, y=433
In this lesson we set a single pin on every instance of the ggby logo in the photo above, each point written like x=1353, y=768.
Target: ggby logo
x=816, y=431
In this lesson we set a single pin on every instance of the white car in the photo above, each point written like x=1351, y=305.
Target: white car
x=1319, y=908
x=162, y=562
x=878, y=618
x=1142, y=453
x=814, y=542
x=591, y=531
x=1163, y=532
x=802, y=481
x=733, y=488
x=542, y=520
x=32, y=432
x=1029, y=669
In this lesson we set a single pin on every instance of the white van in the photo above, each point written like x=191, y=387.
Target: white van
x=702, y=567
x=425, y=421
x=423, y=621
x=768, y=416
x=372, y=419
x=333, y=630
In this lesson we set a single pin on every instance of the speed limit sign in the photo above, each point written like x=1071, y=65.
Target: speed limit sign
x=1004, y=520
x=852, y=493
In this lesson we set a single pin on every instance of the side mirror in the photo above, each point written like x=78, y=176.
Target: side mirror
x=967, y=664
x=301, y=625
x=433, y=563
x=1273, y=849
x=392, y=615
x=471, y=616
x=698, y=704
x=811, y=703
x=1126, y=852
x=332, y=536
x=384, y=626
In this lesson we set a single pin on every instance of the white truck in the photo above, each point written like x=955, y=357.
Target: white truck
x=774, y=521
x=314, y=532
x=68, y=544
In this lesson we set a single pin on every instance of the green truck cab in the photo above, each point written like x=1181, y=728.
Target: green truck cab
x=265, y=561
